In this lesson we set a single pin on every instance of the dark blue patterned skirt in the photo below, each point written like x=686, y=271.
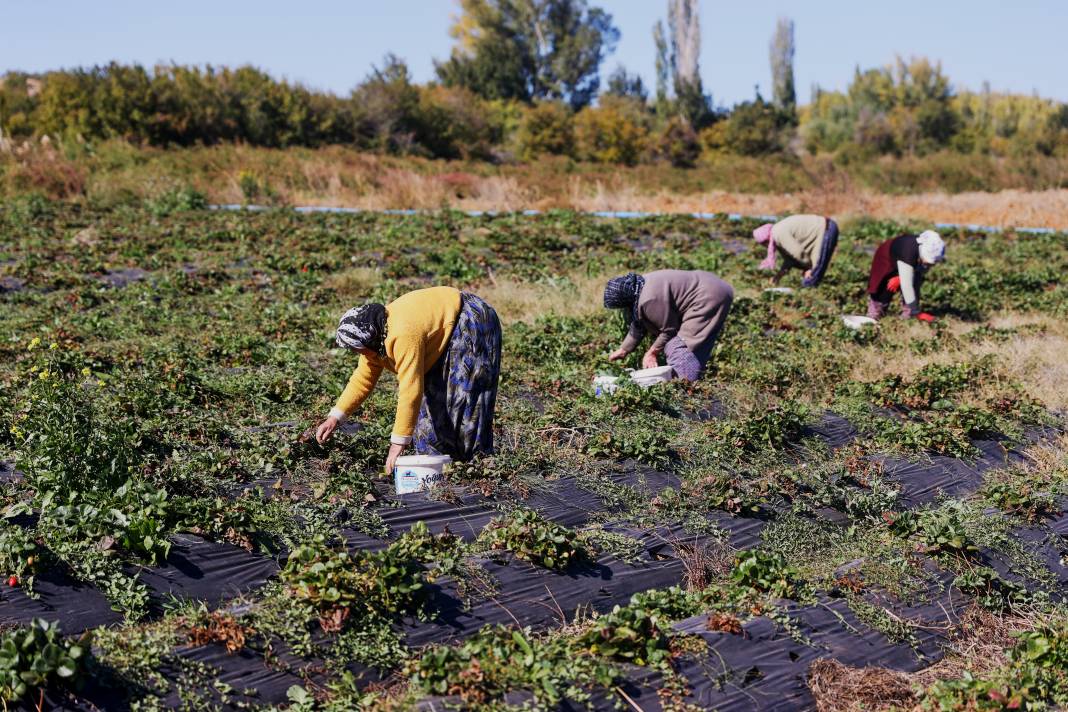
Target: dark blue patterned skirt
x=460, y=389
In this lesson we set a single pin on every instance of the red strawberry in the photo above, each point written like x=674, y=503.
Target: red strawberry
x=12, y=581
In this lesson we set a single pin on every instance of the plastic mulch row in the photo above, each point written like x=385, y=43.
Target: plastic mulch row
x=763, y=669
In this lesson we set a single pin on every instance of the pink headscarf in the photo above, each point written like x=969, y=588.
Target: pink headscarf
x=763, y=234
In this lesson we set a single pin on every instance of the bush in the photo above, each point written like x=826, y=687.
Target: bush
x=611, y=132
x=678, y=143
x=546, y=128
x=455, y=123
x=756, y=128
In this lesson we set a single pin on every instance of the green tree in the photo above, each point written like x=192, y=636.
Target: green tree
x=624, y=84
x=781, y=55
x=530, y=49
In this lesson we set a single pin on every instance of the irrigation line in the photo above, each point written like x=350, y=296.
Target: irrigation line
x=620, y=214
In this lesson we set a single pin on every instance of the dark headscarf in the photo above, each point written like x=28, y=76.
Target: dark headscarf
x=623, y=292
x=363, y=327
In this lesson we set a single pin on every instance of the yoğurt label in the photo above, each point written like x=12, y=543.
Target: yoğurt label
x=408, y=481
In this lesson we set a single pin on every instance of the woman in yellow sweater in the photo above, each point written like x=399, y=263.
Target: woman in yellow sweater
x=445, y=347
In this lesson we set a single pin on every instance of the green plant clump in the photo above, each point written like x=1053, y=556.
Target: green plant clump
x=37, y=656
x=531, y=537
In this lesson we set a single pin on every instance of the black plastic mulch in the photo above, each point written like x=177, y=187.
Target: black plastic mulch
x=765, y=668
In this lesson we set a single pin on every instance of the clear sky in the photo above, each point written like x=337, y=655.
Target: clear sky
x=1016, y=45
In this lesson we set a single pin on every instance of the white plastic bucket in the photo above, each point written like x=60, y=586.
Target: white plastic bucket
x=855, y=321
x=651, y=376
x=413, y=473
x=780, y=290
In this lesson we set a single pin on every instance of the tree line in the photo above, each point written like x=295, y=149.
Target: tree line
x=523, y=80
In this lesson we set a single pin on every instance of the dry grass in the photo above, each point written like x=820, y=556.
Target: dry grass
x=344, y=177
x=1035, y=360
x=1009, y=208
x=572, y=294
x=978, y=645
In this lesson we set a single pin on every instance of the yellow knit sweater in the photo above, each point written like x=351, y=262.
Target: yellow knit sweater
x=418, y=327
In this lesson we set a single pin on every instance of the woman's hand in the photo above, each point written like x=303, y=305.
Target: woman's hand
x=650, y=359
x=617, y=355
x=395, y=451
x=326, y=429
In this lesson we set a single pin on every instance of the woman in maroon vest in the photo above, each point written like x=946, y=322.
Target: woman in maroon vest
x=899, y=265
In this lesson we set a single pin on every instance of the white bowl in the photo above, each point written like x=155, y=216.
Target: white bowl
x=856, y=321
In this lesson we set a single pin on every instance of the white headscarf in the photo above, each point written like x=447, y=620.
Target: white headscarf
x=932, y=247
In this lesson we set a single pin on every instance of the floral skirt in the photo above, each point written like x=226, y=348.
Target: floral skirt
x=460, y=389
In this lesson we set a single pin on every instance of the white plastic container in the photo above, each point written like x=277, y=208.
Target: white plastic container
x=605, y=385
x=780, y=290
x=855, y=321
x=413, y=473
x=651, y=376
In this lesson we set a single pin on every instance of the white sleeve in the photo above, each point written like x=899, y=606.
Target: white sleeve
x=908, y=282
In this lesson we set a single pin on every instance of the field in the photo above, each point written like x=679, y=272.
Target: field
x=829, y=519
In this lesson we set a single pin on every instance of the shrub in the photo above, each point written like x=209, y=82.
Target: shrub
x=609, y=133
x=455, y=123
x=755, y=128
x=546, y=128
x=678, y=143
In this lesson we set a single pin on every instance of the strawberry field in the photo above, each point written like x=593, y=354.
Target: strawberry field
x=827, y=514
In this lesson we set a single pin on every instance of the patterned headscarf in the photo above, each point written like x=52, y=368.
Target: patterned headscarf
x=763, y=234
x=623, y=292
x=363, y=327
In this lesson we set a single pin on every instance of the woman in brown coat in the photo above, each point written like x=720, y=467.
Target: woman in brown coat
x=683, y=311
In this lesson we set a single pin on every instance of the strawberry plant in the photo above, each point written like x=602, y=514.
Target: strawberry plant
x=19, y=557
x=990, y=590
x=772, y=427
x=37, y=656
x=633, y=634
x=499, y=660
x=531, y=537
x=940, y=530
x=1021, y=499
x=764, y=572
x=337, y=583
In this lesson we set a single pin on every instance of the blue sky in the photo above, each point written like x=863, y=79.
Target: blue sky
x=330, y=44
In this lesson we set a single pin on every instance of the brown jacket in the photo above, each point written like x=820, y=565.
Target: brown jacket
x=687, y=304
